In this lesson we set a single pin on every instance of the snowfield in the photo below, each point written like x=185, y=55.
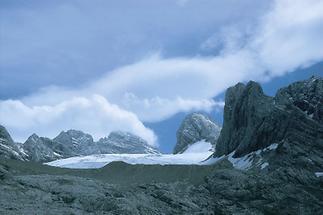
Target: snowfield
x=195, y=154
x=198, y=153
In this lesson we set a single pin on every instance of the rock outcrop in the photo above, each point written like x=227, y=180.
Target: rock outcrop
x=76, y=143
x=119, y=142
x=254, y=121
x=196, y=127
x=306, y=95
x=8, y=148
x=42, y=149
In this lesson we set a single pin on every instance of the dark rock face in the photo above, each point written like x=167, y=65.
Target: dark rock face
x=253, y=120
x=8, y=148
x=285, y=190
x=306, y=95
x=119, y=142
x=196, y=127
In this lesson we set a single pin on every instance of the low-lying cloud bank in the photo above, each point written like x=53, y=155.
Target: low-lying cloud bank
x=286, y=38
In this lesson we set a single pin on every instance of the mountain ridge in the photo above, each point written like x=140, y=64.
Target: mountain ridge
x=71, y=143
x=280, y=175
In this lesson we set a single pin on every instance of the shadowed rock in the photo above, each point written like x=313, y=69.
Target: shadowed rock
x=253, y=120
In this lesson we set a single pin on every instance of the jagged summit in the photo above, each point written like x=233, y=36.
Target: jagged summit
x=76, y=142
x=8, y=148
x=41, y=149
x=125, y=142
x=5, y=136
x=73, y=137
x=72, y=143
x=196, y=127
x=253, y=120
x=34, y=138
x=305, y=95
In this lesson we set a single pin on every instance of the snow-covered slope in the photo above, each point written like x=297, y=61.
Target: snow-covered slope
x=199, y=147
x=196, y=127
x=195, y=154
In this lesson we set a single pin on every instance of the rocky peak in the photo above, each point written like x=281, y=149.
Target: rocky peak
x=33, y=138
x=8, y=148
x=124, y=142
x=306, y=95
x=5, y=137
x=74, y=137
x=196, y=127
x=120, y=137
x=254, y=121
x=40, y=149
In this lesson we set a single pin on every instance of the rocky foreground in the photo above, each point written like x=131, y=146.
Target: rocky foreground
x=268, y=160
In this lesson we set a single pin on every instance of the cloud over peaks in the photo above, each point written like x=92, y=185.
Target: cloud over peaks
x=94, y=115
x=152, y=89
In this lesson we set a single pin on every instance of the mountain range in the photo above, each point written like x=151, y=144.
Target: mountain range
x=71, y=143
x=266, y=159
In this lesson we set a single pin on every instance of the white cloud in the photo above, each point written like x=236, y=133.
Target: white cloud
x=166, y=107
x=286, y=38
x=94, y=115
x=290, y=36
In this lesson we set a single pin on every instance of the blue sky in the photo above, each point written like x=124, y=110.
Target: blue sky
x=142, y=65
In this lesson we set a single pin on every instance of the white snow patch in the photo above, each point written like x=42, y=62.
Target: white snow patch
x=4, y=146
x=264, y=165
x=242, y=163
x=198, y=147
x=22, y=151
x=34, y=139
x=319, y=174
x=58, y=155
x=271, y=147
x=268, y=148
x=245, y=162
x=100, y=160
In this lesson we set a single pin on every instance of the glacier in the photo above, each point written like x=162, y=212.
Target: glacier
x=195, y=154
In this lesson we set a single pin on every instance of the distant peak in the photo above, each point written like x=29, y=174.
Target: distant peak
x=195, y=127
x=34, y=135
x=34, y=138
x=73, y=132
x=124, y=134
